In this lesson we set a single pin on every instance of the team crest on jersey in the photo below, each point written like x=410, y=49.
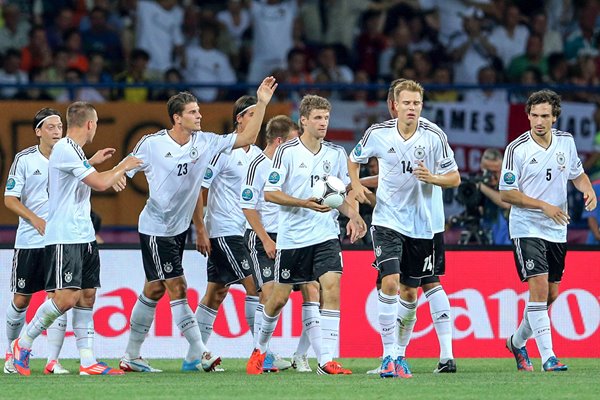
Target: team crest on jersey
x=208, y=174
x=266, y=272
x=274, y=177
x=86, y=164
x=245, y=264
x=247, y=194
x=420, y=152
x=285, y=273
x=194, y=153
x=10, y=184
x=509, y=178
x=68, y=277
x=326, y=166
x=378, y=251
x=357, y=150
x=529, y=265
x=21, y=283
x=560, y=158
x=168, y=267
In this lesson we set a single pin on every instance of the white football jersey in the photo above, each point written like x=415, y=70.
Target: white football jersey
x=224, y=176
x=28, y=180
x=174, y=174
x=438, y=218
x=252, y=194
x=69, y=207
x=541, y=174
x=405, y=204
x=295, y=169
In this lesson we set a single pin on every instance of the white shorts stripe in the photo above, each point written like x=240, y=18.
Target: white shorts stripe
x=13, y=274
x=156, y=257
x=254, y=256
x=232, y=261
x=276, y=268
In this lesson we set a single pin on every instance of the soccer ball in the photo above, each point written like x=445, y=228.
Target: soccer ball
x=329, y=191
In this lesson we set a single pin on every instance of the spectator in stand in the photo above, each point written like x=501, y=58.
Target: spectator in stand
x=561, y=14
x=11, y=73
x=421, y=62
x=361, y=77
x=56, y=73
x=328, y=63
x=370, y=43
x=400, y=43
x=192, y=20
x=36, y=75
x=236, y=20
x=470, y=49
x=553, y=42
x=206, y=64
x=585, y=38
x=98, y=72
x=296, y=73
x=37, y=53
x=90, y=95
x=558, y=69
x=442, y=75
x=533, y=57
x=272, y=38
x=162, y=42
x=510, y=38
x=172, y=77
x=64, y=20
x=73, y=44
x=400, y=61
x=487, y=77
x=15, y=32
x=102, y=38
x=136, y=72
x=114, y=21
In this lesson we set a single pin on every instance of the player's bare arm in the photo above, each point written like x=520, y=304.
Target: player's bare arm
x=202, y=240
x=102, y=155
x=519, y=199
x=14, y=204
x=583, y=184
x=253, y=219
x=357, y=228
x=284, y=199
x=120, y=185
x=360, y=191
x=101, y=181
x=263, y=95
x=448, y=180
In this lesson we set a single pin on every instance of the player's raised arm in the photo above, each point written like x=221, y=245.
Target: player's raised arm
x=263, y=94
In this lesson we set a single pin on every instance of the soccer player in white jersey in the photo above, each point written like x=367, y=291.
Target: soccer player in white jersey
x=439, y=305
x=71, y=252
x=414, y=156
x=308, y=247
x=536, y=169
x=174, y=162
x=221, y=234
x=262, y=218
x=27, y=196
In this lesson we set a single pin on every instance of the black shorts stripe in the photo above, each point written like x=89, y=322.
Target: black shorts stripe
x=29, y=150
x=281, y=149
x=250, y=175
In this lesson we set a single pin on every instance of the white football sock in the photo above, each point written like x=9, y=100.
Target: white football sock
x=250, y=305
x=44, y=317
x=83, y=327
x=206, y=320
x=330, y=329
x=387, y=308
x=56, y=337
x=140, y=322
x=441, y=315
x=15, y=319
x=540, y=324
x=186, y=321
x=407, y=317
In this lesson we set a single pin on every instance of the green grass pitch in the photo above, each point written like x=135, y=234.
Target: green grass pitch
x=476, y=379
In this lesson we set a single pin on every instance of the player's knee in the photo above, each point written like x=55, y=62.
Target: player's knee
x=389, y=285
x=21, y=301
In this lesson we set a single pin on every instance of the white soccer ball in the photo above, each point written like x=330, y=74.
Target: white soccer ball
x=329, y=191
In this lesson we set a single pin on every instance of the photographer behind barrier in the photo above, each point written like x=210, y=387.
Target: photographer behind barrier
x=485, y=215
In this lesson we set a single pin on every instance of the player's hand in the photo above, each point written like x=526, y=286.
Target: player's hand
x=39, y=224
x=422, y=173
x=356, y=229
x=120, y=185
x=266, y=89
x=202, y=241
x=130, y=162
x=361, y=194
x=269, y=246
x=101, y=156
x=556, y=214
x=314, y=205
x=590, y=200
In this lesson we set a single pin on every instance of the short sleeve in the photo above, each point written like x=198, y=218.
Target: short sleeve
x=509, y=177
x=223, y=143
x=141, y=151
x=364, y=149
x=72, y=160
x=444, y=155
x=16, y=179
x=343, y=167
x=212, y=170
x=278, y=172
x=576, y=168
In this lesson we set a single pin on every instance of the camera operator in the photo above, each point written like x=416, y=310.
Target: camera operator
x=495, y=211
